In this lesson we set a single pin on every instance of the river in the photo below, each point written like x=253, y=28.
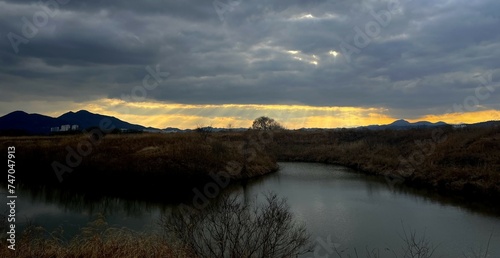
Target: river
x=339, y=206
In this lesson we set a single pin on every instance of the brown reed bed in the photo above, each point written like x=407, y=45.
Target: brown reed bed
x=133, y=164
x=463, y=162
x=96, y=240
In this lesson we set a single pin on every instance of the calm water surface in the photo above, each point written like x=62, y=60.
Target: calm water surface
x=353, y=210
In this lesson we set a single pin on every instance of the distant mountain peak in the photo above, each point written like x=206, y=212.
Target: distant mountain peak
x=83, y=111
x=27, y=123
x=403, y=124
x=17, y=113
x=79, y=112
x=400, y=122
x=85, y=119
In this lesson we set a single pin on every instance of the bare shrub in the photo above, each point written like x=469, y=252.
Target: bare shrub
x=415, y=246
x=229, y=228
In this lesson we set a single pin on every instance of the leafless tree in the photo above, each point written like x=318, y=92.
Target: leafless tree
x=266, y=123
x=230, y=228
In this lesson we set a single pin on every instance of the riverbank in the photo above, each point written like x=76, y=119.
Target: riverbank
x=463, y=162
x=138, y=164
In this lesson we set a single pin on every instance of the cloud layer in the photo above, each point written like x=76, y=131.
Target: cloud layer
x=411, y=58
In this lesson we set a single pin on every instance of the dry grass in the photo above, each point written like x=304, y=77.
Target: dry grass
x=146, y=163
x=97, y=240
x=465, y=161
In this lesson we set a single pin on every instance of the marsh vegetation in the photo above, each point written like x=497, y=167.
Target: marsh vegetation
x=150, y=164
x=461, y=162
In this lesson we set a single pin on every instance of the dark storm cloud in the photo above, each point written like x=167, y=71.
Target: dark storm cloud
x=424, y=59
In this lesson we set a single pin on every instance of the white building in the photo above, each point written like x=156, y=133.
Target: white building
x=459, y=126
x=65, y=128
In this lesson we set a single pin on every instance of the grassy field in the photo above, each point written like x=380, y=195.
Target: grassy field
x=464, y=162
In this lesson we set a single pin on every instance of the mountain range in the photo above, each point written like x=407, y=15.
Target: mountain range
x=403, y=124
x=20, y=122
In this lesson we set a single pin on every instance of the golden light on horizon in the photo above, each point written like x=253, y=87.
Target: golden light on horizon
x=458, y=118
x=162, y=115
x=292, y=116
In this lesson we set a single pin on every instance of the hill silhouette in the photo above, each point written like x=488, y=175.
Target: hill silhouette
x=21, y=123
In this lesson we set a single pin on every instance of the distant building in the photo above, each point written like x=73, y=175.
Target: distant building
x=153, y=131
x=65, y=128
x=459, y=126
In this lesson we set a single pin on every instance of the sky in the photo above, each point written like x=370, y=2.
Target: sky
x=305, y=63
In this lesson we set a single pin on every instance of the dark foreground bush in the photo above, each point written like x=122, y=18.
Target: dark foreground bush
x=230, y=228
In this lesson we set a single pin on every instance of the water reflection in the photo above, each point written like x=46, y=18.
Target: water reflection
x=364, y=211
x=483, y=207
x=52, y=208
x=88, y=204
